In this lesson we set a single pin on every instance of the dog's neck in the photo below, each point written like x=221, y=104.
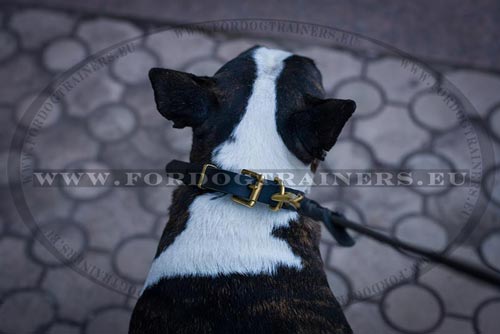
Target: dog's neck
x=221, y=237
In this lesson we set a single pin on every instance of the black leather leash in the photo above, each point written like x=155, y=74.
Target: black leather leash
x=249, y=188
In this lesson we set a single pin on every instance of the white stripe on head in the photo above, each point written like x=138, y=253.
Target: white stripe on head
x=257, y=143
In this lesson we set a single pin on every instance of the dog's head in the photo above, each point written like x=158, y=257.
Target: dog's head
x=263, y=109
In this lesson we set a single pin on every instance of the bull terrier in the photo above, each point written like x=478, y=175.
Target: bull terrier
x=221, y=267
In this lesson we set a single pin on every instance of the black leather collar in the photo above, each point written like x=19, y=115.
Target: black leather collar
x=240, y=185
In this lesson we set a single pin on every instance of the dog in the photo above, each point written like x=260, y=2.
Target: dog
x=221, y=267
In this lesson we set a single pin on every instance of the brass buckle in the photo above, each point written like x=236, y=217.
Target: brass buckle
x=203, y=175
x=284, y=197
x=256, y=189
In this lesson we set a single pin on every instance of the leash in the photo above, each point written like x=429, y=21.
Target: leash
x=249, y=188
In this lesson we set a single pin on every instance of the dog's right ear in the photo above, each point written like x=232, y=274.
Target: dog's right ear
x=183, y=98
x=317, y=127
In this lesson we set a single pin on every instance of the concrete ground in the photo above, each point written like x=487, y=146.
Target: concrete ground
x=463, y=32
x=107, y=120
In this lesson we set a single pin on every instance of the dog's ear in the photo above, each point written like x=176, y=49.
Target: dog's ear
x=319, y=125
x=183, y=98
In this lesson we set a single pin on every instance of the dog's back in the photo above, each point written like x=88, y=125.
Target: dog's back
x=287, y=300
x=222, y=267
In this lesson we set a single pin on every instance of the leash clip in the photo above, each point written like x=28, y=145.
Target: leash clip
x=285, y=197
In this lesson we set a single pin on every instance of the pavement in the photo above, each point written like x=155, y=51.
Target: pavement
x=464, y=32
x=108, y=120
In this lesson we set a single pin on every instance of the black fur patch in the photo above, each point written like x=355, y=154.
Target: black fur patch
x=308, y=123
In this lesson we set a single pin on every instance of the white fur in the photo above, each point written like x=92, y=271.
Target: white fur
x=257, y=144
x=222, y=237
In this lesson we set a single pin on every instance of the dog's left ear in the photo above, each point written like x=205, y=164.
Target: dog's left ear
x=184, y=98
x=318, y=127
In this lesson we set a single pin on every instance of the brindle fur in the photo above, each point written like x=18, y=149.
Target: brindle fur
x=291, y=301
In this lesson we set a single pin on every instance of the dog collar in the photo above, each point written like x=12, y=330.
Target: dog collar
x=247, y=187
